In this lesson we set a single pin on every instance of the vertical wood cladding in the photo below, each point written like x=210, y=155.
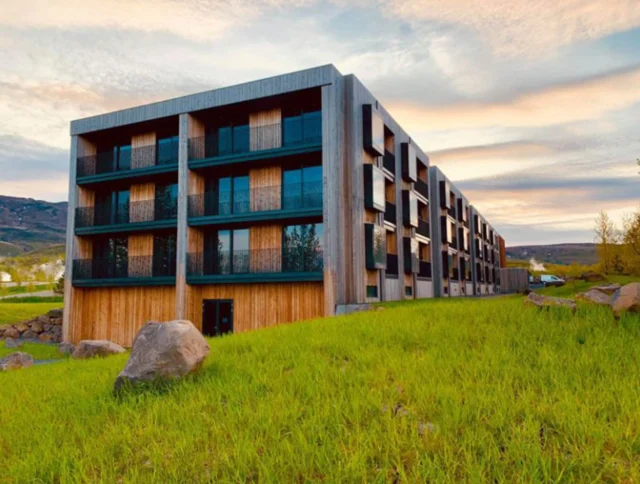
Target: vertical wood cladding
x=147, y=156
x=118, y=313
x=140, y=246
x=258, y=306
x=265, y=184
x=265, y=129
x=140, y=193
x=265, y=242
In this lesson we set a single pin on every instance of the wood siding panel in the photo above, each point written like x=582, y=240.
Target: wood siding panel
x=141, y=193
x=140, y=245
x=143, y=158
x=265, y=129
x=265, y=184
x=265, y=243
x=118, y=313
x=258, y=306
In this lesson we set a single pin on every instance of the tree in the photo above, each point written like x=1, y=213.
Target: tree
x=59, y=287
x=606, y=238
x=631, y=242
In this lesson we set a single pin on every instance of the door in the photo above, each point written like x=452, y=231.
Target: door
x=217, y=317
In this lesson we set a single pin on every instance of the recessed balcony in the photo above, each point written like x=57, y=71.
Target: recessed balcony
x=126, y=217
x=124, y=270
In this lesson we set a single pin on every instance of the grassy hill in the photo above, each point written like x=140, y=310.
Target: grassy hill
x=584, y=254
x=437, y=390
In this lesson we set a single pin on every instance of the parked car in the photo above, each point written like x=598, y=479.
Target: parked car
x=549, y=280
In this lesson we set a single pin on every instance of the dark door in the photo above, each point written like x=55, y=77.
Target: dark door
x=217, y=317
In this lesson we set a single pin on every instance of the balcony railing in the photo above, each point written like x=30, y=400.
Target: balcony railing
x=392, y=264
x=389, y=162
x=126, y=213
x=279, y=197
x=452, y=212
x=390, y=214
x=422, y=188
x=245, y=139
x=425, y=269
x=124, y=267
x=133, y=159
x=423, y=228
x=257, y=261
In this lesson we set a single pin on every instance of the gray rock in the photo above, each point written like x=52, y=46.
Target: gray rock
x=96, y=348
x=538, y=300
x=37, y=327
x=11, y=333
x=164, y=351
x=55, y=321
x=15, y=361
x=21, y=327
x=46, y=337
x=12, y=343
x=47, y=327
x=594, y=296
x=43, y=320
x=28, y=334
x=66, y=348
x=609, y=289
x=55, y=313
x=626, y=299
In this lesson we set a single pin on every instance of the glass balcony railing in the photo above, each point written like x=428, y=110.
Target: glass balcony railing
x=422, y=188
x=124, y=267
x=423, y=228
x=126, y=213
x=389, y=161
x=127, y=160
x=257, y=261
x=390, y=213
x=452, y=212
x=261, y=199
x=235, y=140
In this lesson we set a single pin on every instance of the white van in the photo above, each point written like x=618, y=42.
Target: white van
x=549, y=280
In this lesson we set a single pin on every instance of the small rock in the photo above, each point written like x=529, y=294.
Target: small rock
x=164, y=351
x=4, y=327
x=594, y=296
x=626, y=299
x=12, y=343
x=56, y=321
x=96, y=348
x=15, y=361
x=47, y=327
x=43, y=320
x=37, y=327
x=55, y=313
x=11, y=333
x=65, y=348
x=21, y=327
x=28, y=334
x=538, y=300
x=46, y=337
x=609, y=289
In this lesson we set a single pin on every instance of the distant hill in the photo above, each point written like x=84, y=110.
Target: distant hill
x=556, y=253
x=27, y=224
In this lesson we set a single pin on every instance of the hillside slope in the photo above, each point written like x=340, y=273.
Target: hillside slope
x=30, y=224
x=556, y=253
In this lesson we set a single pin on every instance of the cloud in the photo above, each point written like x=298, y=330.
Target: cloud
x=516, y=27
x=579, y=101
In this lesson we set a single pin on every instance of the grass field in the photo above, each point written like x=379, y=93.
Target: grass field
x=14, y=312
x=474, y=390
x=38, y=351
x=10, y=291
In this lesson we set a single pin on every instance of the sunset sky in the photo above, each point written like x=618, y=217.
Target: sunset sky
x=532, y=107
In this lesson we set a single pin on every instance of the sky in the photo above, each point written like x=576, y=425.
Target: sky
x=531, y=107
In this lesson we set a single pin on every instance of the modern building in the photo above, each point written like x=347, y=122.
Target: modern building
x=278, y=200
x=486, y=255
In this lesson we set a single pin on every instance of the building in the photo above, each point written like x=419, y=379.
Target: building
x=278, y=200
x=485, y=255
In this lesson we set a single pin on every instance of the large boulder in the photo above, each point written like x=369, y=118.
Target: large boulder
x=609, y=289
x=626, y=299
x=37, y=327
x=96, y=348
x=21, y=327
x=11, y=333
x=15, y=361
x=164, y=351
x=594, y=296
x=593, y=277
x=540, y=301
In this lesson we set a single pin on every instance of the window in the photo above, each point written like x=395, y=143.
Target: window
x=373, y=131
x=227, y=252
x=167, y=150
x=302, y=248
x=230, y=195
x=302, y=129
x=232, y=140
x=112, y=207
x=123, y=156
x=166, y=202
x=408, y=290
x=164, y=255
x=374, y=188
x=372, y=291
x=375, y=246
x=302, y=187
x=110, y=257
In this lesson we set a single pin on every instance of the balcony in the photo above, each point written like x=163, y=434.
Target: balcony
x=300, y=200
x=258, y=265
x=423, y=228
x=425, y=269
x=123, y=270
x=389, y=162
x=454, y=243
x=451, y=211
x=126, y=217
x=422, y=188
x=390, y=213
x=392, y=264
x=133, y=163
x=241, y=144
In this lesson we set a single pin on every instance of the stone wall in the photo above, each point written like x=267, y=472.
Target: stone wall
x=46, y=328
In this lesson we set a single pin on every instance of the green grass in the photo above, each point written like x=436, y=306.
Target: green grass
x=15, y=312
x=571, y=288
x=9, y=291
x=473, y=390
x=38, y=351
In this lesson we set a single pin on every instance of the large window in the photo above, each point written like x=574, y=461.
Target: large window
x=110, y=257
x=228, y=195
x=227, y=252
x=232, y=140
x=302, y=187
x=166, y=203
x=164, y=255
x=302, y=129
x=302, y=248
x=167, y=150
x=112, y=207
